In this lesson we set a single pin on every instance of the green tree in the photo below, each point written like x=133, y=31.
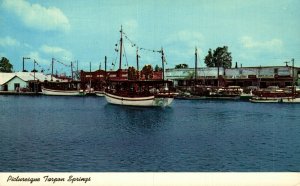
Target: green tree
x=5, y=65
x=209, y=59
x=182, y=66
x=219, y=58
x=147, y=71
x=157, y=68
x=132, y=73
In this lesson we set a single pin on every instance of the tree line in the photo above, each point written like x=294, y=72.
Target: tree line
x=220, y=57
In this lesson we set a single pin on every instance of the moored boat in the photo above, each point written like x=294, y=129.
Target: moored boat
x=53, y=92
x=62, y=89
x=136, y=90
x=139, y=93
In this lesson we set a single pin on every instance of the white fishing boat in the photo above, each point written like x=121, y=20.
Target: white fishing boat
x=136, y=92
x=147, y=101
x=257, y=99
x=139, y=93
x=62, y=88
x=53, y=92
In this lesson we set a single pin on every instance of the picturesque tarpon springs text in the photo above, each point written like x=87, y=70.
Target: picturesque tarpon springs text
x=48, y=179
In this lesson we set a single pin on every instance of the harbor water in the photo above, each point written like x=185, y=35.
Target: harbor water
x=85, y=134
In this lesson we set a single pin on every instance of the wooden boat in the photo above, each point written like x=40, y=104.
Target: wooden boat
x=275, y=96
x=231, y=92
x=139, y=93
x=53, y=92
x=62, y=89
x=134, y=91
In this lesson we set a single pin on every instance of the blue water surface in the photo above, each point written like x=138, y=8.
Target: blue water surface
x=85, y=134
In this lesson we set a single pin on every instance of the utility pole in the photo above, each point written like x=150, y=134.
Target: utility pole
x=23, y=63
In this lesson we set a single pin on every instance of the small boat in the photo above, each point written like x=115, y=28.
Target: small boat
x=62, y=89
x=230, y=92
x=275, y=96
x=275, y=100
x=53, y=92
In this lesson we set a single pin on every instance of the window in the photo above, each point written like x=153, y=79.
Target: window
x=275, y=70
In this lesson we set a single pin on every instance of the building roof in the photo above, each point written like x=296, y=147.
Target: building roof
x=26, y=76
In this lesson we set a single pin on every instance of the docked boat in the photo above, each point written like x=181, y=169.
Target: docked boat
x=139, y=93
x=136, y=91
x=230, y=92
x=62, y=89
x=275, y=96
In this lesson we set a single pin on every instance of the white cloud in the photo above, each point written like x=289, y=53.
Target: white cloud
x=34, y=55
x=189, y=38
x=182, y=45
x=130, y=27
x=8, y=41
x=57, y=52
x=250, y=43
x=37, y=16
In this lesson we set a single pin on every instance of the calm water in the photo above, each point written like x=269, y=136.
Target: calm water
x=87, y=134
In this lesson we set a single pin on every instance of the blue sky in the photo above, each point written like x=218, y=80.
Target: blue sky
x=257, y=32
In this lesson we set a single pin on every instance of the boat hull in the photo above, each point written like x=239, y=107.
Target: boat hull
x=99, y=93
x=52, y=92
x=275, y=100
x=148, y=101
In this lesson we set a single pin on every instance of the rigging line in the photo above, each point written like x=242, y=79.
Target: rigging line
x=140, y=48
x=125, y=56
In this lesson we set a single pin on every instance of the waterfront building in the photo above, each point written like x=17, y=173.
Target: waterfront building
x=22, y=81
x=262, y=76
x=97, y=78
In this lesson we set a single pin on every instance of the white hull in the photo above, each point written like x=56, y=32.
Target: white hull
x=275, y=100
x=52, y=92
x=138, y=101
x=99, y=93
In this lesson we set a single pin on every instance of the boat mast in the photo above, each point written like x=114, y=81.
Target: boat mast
x=121, y=44
x=90, y=76
x=163, y=65
x=293, y=76
x=137, y=62
x=52, y=69
x=196, y=61
x=72, y=70
x=105, y=60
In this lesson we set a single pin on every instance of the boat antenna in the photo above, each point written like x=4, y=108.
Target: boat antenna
x=121, y=43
